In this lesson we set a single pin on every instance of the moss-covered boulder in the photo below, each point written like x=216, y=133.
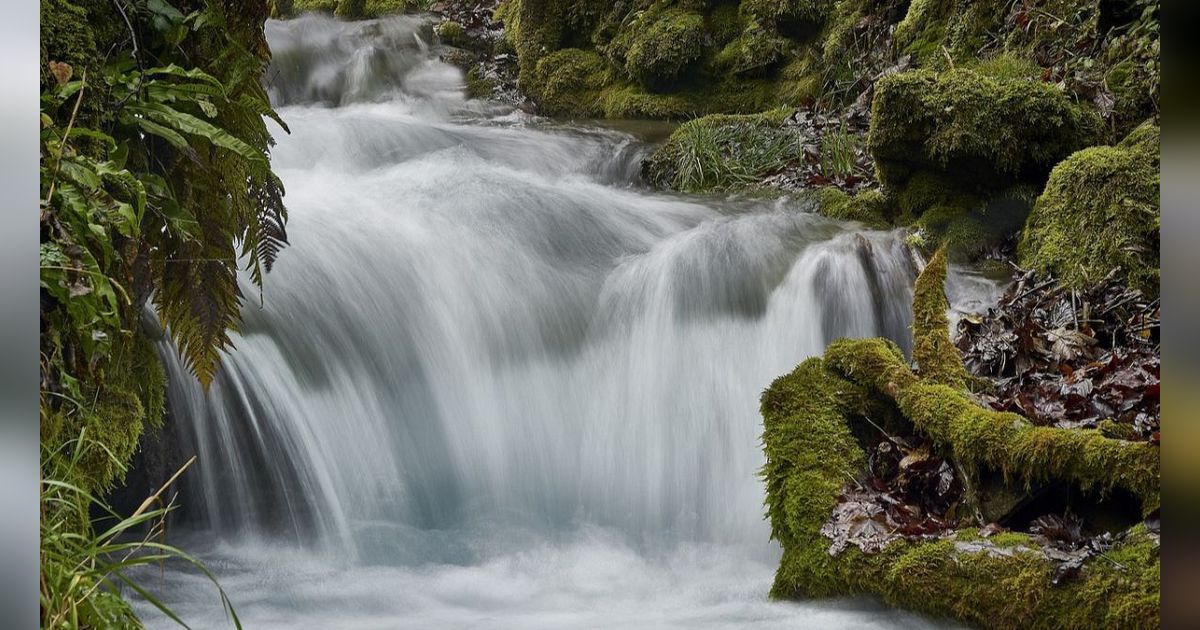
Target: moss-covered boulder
x=752, y=52
x=868, y=207
x=568, y=82
x=536, y=28
x=1099, y=214
x=788, y=11
x=452, y=34
x=658, y=46
x=973, y=128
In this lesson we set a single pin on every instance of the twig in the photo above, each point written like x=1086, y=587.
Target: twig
x=62, y=147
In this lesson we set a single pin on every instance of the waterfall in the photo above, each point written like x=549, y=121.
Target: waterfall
x=494, y=380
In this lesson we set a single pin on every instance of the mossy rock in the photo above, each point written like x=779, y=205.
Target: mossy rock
x=452, y=33
x=350, y=8
x=347, y=9
x=869, y=207
x=657, y=47
x=973, y=128
x=1099, y=213
x=787, y=11
x=537, y=28
x=753, y=52
x=479, y=86
x=568, y=82
x=310, y=6
x=629, y=102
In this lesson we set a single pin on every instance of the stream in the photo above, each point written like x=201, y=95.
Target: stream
x=495, y=382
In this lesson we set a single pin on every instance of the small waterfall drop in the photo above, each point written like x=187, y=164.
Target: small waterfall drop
x=494, y=381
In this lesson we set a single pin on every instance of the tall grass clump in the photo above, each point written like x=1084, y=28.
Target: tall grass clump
x=87, y=563
x=839, y=149
x=721, y=153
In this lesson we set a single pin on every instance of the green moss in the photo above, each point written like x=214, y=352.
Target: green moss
x=869, y=207
x=536, y=28
x=379, y=8
x=312, y=6
x=65, y=30
x=568, y=82
x=933, y=351
x=776, y=11
x=811, y=454
x=479, y=86
x=452, y=33
x=923, y=30
x=629, y=101
x=658, y=46
x=723, y=152
x=350, y=8
x=723, y=23
x=130, y=398
x=964, y=222
x=1099, y=213
x=1132, y=59
x=752, y=52
x=797, y=83
x=1001, y=441
x=973, y=27
x=972, y=127
x=998, y=582
x=1005, y=67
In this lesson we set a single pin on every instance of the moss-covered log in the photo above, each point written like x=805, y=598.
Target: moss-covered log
x=812, y=419
x=937, y=403
x=999, y=582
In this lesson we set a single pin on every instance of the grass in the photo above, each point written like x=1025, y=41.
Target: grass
x=87, y=564
x=722, y=152
x=839, y=149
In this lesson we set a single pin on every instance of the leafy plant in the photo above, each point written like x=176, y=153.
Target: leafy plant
x=159, y=194
x=155, y=187
x=85, y=568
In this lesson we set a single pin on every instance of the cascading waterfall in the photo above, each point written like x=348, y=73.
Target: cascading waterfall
x=494, y=383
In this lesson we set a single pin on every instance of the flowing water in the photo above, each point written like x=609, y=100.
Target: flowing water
x=495, y=383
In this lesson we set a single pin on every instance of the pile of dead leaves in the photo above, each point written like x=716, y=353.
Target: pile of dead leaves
x=1071, y=359
x=911, y=493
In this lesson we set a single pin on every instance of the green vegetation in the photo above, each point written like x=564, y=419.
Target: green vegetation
x=659, y=46
x=667, y=58
x=348, y=9
x=811, y=418
x=973, y=128
x=838, y=149
x=84, y=567
x=869, y=207
x=568, y=82
x=1099, y=214
x=936, y=356
x=156, y=187
x=722, y=152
